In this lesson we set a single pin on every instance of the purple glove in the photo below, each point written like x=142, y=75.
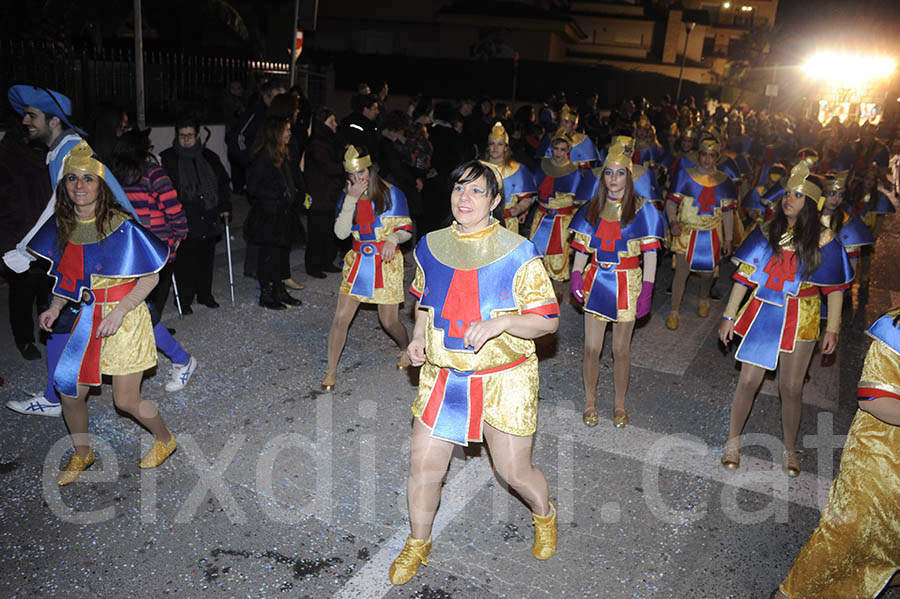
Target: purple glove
x=643, y=303
x=576, y=286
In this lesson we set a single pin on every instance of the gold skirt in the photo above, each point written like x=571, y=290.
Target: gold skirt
x=855, y=550
x=392, y=275
x=133, y=347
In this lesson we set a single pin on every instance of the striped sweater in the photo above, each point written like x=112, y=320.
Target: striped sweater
x=157, y=206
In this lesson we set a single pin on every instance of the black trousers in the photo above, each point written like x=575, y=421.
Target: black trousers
x=320, y=247
x=26, y=290
x=273, y=262
x=194, y=269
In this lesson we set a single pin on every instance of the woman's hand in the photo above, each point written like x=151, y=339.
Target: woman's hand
x=829, y=342
x=110, y=323
x=388, y=250
x=48, y=317
x=726, y=331
x=416, y=351
x=356, y=187
x=482, y=331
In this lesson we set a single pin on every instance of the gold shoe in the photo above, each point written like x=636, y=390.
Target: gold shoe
x=620, y=418
x=731, y=459
x=406, y=565
x=292, y=284
x=330, y=380
x=672, y=321
x=545, y=535
x=69, y=474
x=403, y=363
x=158, y=453
x=703, y=309
x=589, y=417
x=790, y=462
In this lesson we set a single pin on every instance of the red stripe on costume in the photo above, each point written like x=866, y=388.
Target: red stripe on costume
x=874, y=393
x=379, y=276
x=716, y=245
x=71, y=266
x=415, y=292
x=789, y=331
x=354, y=269
x=577, y=245
x=728, y=207
x=429, y=414
x=690, y=253
x=673, y=198
x=545, y=310
x=502, y=367
x=555, y=245
x=461, y=305
x=622, y=292
x=743, y=323
x=545, y=189
x=739, y=277
x=89, y=373
x=476, y=407
x=404, y=228
x=829, y=289
x=649, y=246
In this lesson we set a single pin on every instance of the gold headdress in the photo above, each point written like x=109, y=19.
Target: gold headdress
x=352, y=161
x=689, y=133
x=618, y=157
x=497, y=174
x=809, y=156
x=710, y=143
x=81, y=158
x=561, y=135
x=837, y=181
x=566, y=113
x=498, y=133
x=622, y=140
x=800, y=181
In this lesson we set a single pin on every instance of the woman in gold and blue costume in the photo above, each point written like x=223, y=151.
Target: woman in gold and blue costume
x=787, y=263
x=850, y=230
x=614, y=230
x=105, y=262
x=483, y=297
x=855, y=550
x=518, y=184
x=376, y=214
x=582, y=151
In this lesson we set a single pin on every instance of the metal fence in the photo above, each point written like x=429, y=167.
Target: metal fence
x=174, y=83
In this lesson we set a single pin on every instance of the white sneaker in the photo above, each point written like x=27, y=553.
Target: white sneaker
x=35, y=405
x=181, y=375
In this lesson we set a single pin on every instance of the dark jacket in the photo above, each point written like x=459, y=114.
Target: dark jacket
x=273, y=218
x=324, y=172
x=394, y=169
x=241, y=140
x=202, y=222
x=24, y=189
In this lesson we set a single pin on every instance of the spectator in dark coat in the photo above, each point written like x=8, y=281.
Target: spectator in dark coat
x=358, y=128
x=272, y=222
x=324, y=174
x=203, y=189
x=449, y=152
x=397, y=166
x=24, y=189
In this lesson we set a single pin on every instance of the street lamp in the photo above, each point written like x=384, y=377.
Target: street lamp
x=689, y=27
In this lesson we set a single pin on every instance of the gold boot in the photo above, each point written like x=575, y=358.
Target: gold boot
x=545, y=535
x=403, y=363
x=731, y=459
x=703, y=309
x=72, y=470
x=620, y=418
x=790, y=462
x=330, y=380
x=406, y=565
x=158, y=453
x=672, y=321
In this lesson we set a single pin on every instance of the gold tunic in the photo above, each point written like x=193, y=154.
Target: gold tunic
x=855, y=550
x=391, y=272
x=133, y=347
x=510, y=396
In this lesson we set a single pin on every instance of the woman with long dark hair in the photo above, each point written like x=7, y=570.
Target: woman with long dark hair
x=101, y=259
x=376, y=214
x=156, y=203
x=787, y=262
x=518, y=184
x=614, y=231
x=271, y=223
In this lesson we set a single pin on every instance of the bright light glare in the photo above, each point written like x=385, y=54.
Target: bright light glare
x=726, y=5
x=849, y=70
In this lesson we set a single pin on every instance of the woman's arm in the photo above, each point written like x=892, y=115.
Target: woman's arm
x=649, y=266
x=726, y=327
x=526, y=326
x=886, y=409
x=416, y=347
x=112, y=321
x=833, y=326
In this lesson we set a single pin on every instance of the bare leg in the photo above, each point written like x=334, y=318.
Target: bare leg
x=748, y=384
x=387, y=314
x=594, y=332
x=621, y=361
x=127, y=397
x=337, y=336
x=790, y=388
x=75, y=413
x=682, y=270
x=428, y=463
x=512, y=460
